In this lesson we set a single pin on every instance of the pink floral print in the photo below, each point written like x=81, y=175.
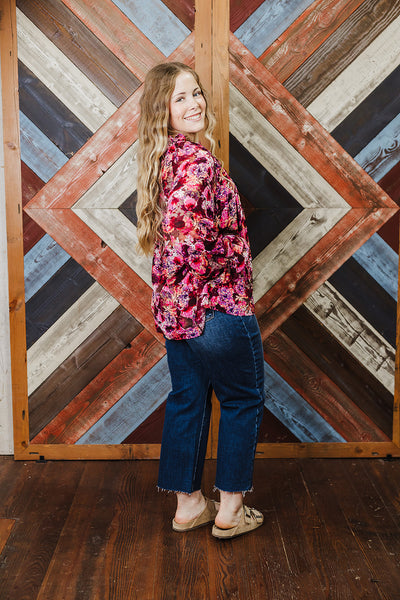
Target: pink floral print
x=202, y=258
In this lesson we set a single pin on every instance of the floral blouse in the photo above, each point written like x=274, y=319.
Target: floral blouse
x=202, y=259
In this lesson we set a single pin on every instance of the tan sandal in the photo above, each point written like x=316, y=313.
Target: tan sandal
x=207, y=516
x=250, y=519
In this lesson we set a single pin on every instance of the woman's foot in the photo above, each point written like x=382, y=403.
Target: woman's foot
x=189, y=506
x=230, y=510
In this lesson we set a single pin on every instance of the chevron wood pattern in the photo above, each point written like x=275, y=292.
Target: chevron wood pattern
x=314, y=150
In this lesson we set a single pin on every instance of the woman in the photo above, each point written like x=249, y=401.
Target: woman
x=190, y=217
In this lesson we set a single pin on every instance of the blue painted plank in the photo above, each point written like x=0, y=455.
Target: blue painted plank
x=294, y=412
x=41, y=263
x=156, y=21
x=38, y=152
x=132, y=409
x=267, y=23
x=383, y=152
x=381, y=262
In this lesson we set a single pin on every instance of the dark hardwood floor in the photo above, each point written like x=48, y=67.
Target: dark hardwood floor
x=100, y=530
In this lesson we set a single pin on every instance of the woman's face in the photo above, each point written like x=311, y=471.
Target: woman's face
x=187, y=107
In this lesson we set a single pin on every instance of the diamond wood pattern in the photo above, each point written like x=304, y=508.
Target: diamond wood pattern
x=316, y=161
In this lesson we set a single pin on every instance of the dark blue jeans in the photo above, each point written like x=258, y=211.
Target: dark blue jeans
x=227, y=357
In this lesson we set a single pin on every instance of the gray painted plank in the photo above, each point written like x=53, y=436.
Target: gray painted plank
x=381, y=262
x=41, y=263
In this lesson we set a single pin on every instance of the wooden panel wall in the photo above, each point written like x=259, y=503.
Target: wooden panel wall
x=313, y=148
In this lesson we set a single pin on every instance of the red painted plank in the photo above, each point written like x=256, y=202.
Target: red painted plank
x=390, y=230
x=319, y=391
x=303, y=132
x=184, y=10
x=305, y=35
x=103, y=391
x=31, y=185
x=118, y=33
x=240, y=11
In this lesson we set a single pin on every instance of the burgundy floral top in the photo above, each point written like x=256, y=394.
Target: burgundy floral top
x=203, y=259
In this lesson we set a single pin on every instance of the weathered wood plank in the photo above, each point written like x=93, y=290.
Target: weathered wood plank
x=321, y=393
x=156, y=22
x=82, y=47
x=80, y=367
x=61, y=76
x=118, y=34
x=305, y=35
x=301, y=130
x=38, y=152
x=278, y=156
x=49, y=114
x=184, y=10
x=120, y=235
x=341, y=49
x=55, y=298
x=390, y=230
x=267, y=23
x=343, y=321
x=118, y=378
x=106, y=146
x=68, y=333
x=297, y=239
x=41, y=263
x=132, y=409
x=345, y=370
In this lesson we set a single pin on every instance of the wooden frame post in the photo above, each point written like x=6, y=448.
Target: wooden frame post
x=12, y=167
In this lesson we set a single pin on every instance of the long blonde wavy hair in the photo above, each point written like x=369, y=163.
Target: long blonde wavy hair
x=154, y=130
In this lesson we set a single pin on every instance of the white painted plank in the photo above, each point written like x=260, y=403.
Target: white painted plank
x=132, y=409
x=41, y=263
x=61, y=76
x=267, y=23
x=354, y=333
x=295, y=412
x=381, y=262
x=156, y=21
x=278, y=156
x=119, y=234
x=115, y=186
x=383, y=152
x=291, y=244
x=71, y=330
x=38, y=152
x=359, y=79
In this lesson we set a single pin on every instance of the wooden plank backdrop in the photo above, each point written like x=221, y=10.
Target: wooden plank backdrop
x=309, y=126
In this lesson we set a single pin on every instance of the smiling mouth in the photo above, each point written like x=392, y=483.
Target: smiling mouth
x=196, y=117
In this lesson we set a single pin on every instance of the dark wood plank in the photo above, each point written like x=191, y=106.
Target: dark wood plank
x=50, y=115
x=184, y=10
x=54, y=298
x=240, y=11
x=31, y=184
x=341, y=48
x=344, y=370
x=82, y=47
x=6, y=526
x=367, y=297
x=370, y=117
x=81, y=367
x=319, y=391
